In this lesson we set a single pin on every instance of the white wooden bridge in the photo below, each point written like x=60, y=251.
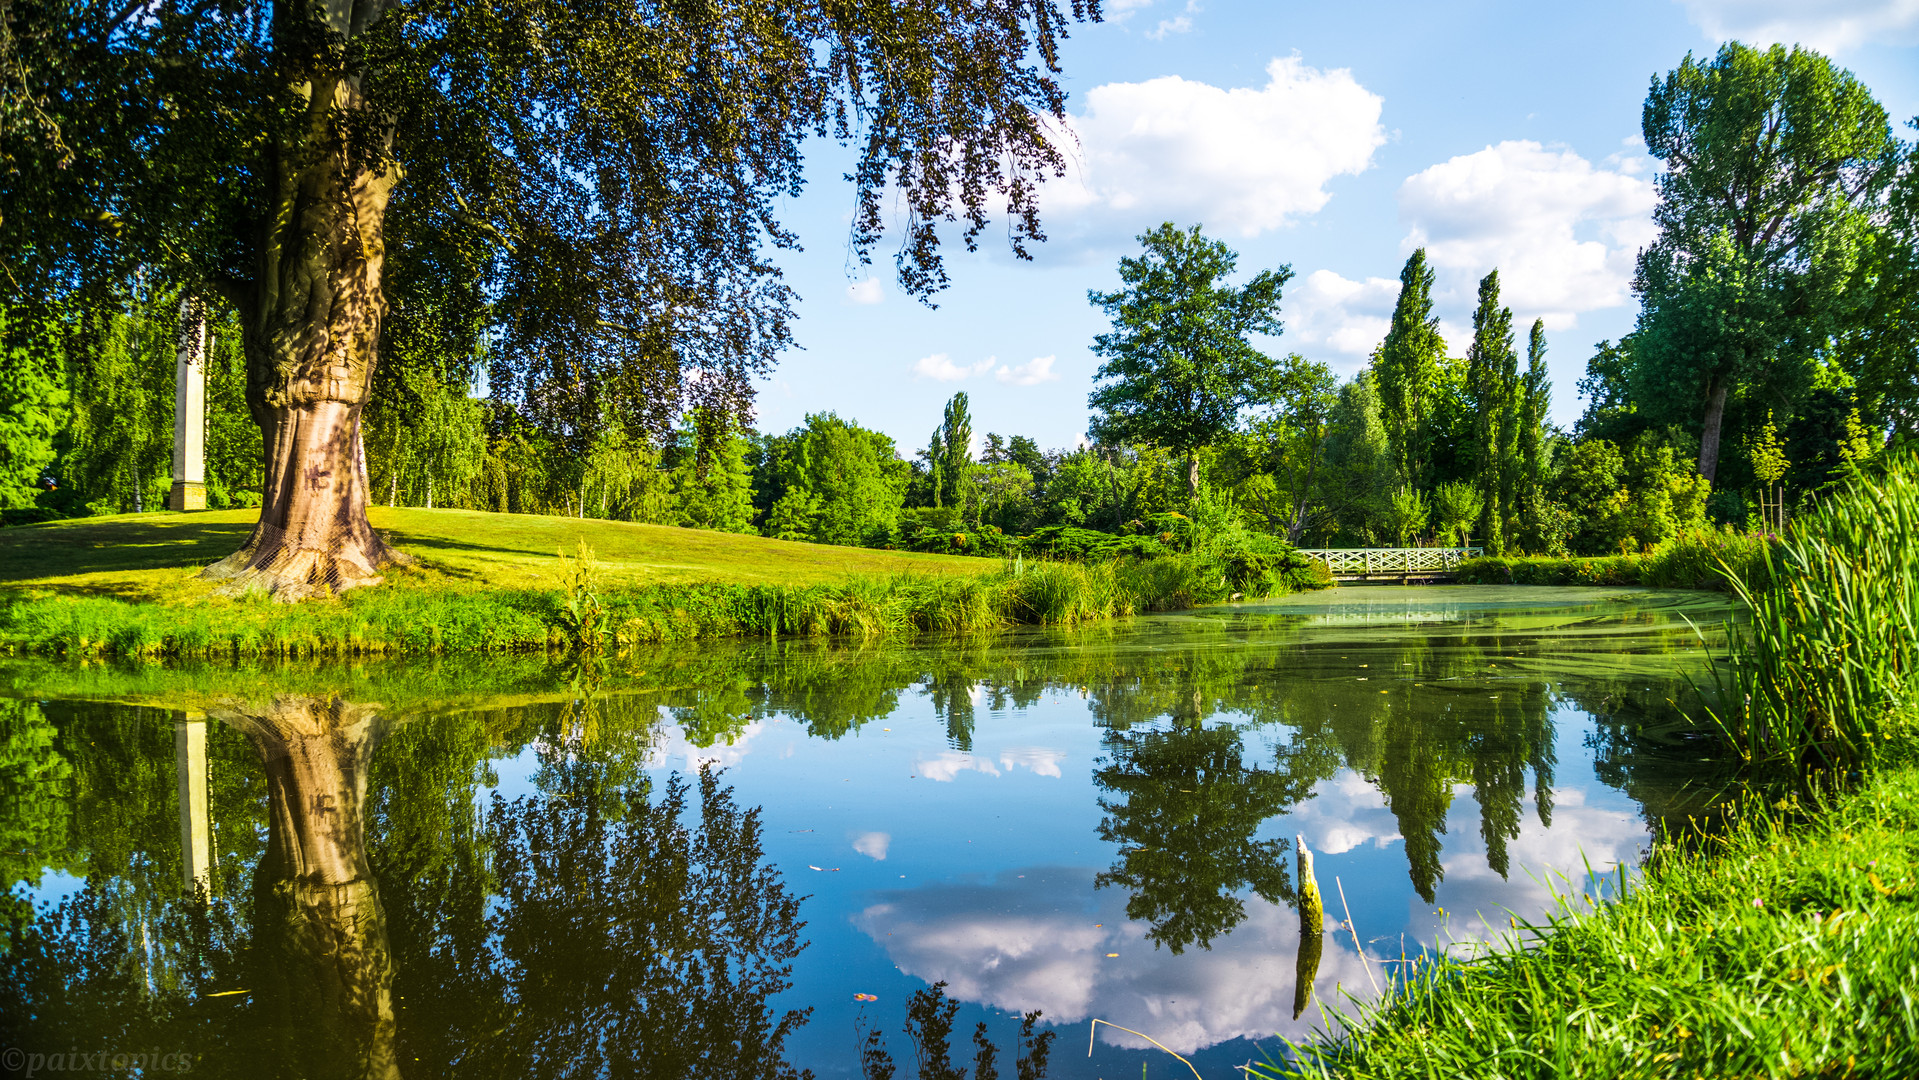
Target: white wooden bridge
x=1404, y=566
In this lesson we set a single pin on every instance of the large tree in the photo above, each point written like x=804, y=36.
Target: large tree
x=1775, y=166
x=591, y=185
x=1179, y=366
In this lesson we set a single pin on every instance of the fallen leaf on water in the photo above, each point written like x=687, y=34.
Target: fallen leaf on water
x=866, y=997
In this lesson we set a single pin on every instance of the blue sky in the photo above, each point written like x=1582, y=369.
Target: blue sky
x=1333, y=138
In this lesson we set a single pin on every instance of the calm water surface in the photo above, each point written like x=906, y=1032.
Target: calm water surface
x=512, y=867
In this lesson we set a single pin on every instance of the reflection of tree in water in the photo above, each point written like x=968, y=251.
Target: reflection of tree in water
x=586, y=933
x=1468, y=720
x=1186, y=806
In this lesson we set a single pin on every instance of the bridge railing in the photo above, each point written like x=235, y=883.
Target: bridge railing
x=1392, y=560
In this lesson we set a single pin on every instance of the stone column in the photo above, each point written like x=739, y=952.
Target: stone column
x=196, y=834
x=190, y=410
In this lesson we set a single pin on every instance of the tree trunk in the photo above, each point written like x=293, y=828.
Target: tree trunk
x=312, y=333
x=1192, y=473
x=324, y=979
x=1709, y=431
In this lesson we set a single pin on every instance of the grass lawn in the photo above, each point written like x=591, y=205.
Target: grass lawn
x=154, y=557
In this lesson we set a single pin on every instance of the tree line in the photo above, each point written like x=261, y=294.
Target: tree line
x=1777, y=348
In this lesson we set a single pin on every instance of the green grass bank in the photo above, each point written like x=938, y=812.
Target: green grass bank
x=125, y=587
x=1787, y=946
x=1783, y=943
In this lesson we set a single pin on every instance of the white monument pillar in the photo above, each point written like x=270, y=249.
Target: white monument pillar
x=190, y=410
x=196, y=834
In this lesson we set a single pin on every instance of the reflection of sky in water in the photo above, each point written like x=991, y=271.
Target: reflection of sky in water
x=932, y=847
x=923, y=863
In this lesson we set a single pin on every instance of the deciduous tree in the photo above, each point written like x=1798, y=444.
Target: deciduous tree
x=600, y=179
x=1179, y=367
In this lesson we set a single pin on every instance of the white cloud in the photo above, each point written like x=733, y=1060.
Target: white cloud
x=1241, y=161
x=1563, y=232
x=870, y=290
x=1326, y=312
x=940, y=368
x=1178, y=24
x=873, y=845
x=1826, y=25
x=1033, y=372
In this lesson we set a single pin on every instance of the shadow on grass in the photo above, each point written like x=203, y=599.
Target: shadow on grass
x=60, y=549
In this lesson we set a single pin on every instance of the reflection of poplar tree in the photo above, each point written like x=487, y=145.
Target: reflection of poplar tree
x=952, y=696
x=1187, y=808
x=1418, y=787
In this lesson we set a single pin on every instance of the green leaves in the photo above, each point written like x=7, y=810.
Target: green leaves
x=1179, y=366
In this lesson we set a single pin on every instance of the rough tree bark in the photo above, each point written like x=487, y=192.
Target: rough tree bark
x=311, y=333
x=1709, y=431
x=325, y=973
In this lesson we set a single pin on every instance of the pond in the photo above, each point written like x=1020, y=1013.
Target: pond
x=517, y=867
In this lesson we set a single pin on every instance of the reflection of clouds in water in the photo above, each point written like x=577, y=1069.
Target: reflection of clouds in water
x=1343, y=813
x=1036, y=943
x=1042, y=761
x=1544, y=861
x=873, y=845
x=672, y=749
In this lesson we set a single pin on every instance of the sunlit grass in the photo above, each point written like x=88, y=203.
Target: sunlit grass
x=1774, y=950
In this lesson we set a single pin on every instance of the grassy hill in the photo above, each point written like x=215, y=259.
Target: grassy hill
x=154, y=557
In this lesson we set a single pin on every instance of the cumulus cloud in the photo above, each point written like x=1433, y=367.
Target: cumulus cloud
x=1241, y=161
x=1562, y=231
x=1826, y=25
x=1327, y=313
x=869, y=290
x=940, y=368
x=1033, y=372
x=873, y=845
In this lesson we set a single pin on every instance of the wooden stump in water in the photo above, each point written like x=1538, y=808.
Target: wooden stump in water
x=1312, y=924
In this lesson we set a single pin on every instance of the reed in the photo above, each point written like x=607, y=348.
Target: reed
x=1818, y=675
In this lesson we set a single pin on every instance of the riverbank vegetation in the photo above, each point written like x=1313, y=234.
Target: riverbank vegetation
x=481, y=584
x=1784, y=941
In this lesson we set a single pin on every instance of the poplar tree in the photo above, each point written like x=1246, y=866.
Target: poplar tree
x=1529, y=450
x=1492, y=375
x=1406, y=369
x=955, y=443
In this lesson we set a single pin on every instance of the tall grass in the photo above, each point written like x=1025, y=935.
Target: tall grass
x=1773, y=951
x=1819, y=678
x=586, y=615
